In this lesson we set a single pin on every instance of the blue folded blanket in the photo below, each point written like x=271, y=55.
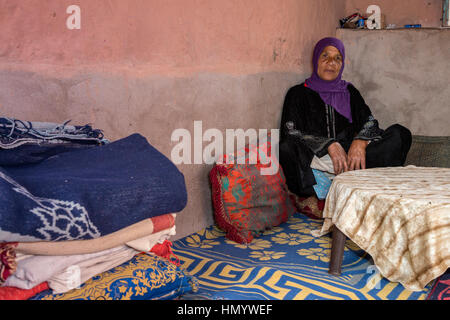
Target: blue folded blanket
x=88, y=193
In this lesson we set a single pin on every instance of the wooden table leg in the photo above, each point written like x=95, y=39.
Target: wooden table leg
x=337, y=252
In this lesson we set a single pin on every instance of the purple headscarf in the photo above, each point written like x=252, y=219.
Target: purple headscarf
x=333, y=92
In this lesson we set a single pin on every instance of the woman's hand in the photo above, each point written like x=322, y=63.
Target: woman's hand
x=357, y=155
x=339, y=157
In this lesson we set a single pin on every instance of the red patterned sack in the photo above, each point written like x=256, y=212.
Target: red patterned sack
x=246, y=203
x=312, y=207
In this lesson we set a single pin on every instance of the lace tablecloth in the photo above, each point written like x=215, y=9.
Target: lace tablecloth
x=399, y=215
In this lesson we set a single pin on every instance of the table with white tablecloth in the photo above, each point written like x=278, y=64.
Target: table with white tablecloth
x=398, y=215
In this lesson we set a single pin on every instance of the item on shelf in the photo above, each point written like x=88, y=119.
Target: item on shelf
x=445, y=14
x=353, y=21
x=413, y=26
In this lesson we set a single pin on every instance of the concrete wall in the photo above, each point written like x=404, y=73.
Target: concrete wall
x=400, y=12
x=152, y=66
x=403, y=76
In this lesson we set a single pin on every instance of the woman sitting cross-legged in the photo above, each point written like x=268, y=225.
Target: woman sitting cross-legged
x=326, y=125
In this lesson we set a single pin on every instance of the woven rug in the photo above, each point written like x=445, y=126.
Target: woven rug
x=441, y=288
x=285, y=263
x=429, y=151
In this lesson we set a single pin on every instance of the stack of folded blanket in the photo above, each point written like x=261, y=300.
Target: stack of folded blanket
x=73, y=204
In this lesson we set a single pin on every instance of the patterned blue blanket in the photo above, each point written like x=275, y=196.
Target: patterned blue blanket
x=88, y=192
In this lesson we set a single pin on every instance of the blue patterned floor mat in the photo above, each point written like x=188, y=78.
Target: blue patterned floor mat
x=285, y=263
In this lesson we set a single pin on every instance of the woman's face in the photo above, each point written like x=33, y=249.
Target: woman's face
x=329, y=64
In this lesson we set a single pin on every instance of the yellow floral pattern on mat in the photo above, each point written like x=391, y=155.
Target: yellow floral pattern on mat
x=267, y=255
x=315, y=254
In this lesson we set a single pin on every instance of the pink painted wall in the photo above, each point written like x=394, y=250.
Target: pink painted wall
x=401, y=12
x=153, y=66
x=160, y=36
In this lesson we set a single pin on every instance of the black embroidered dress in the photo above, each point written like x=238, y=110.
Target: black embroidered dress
x=309, y=126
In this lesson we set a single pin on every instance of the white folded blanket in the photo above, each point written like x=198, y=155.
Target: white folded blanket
x=63, y=271
x=73, y=276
